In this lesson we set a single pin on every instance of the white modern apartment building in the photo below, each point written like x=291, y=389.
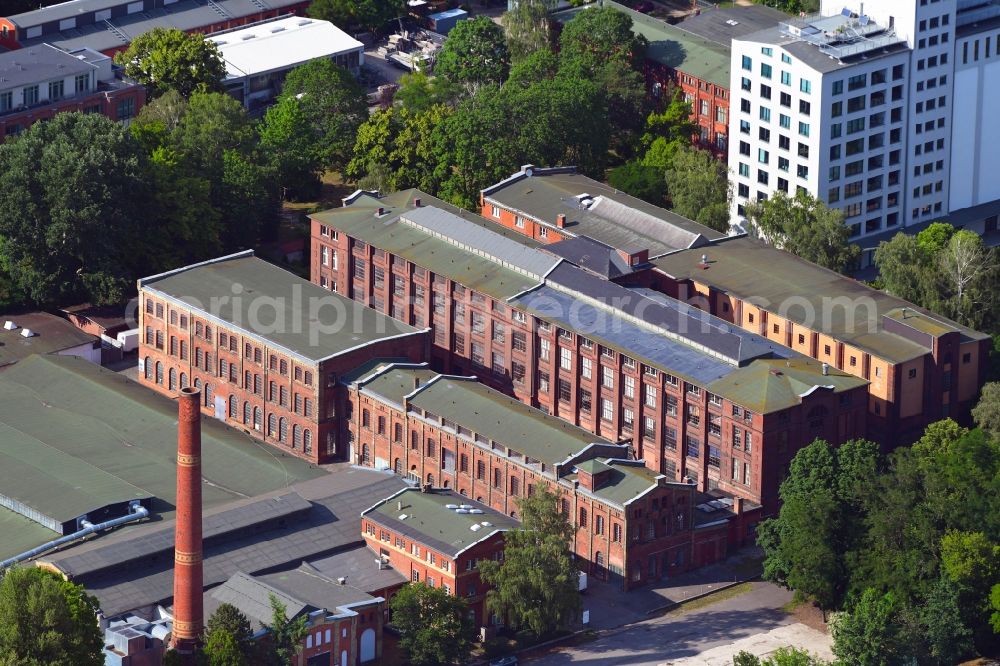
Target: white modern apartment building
x=881, y=109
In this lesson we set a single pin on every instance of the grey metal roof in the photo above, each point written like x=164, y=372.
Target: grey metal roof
x=595, y=256
x=289, y=312
x=253, y=596
x=63, y=10
x=74, y=8
x=37, y=64
x=711, y=22
x=481, y=241
x=665, y=317
x=329, y=525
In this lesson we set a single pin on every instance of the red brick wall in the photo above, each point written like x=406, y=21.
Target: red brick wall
x=106, y=101
x=345, y=635
x=703, y=96
x=267, y=380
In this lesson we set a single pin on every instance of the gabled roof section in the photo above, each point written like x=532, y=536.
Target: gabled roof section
x=251, y=295
x=592, y=255
x=773, y=385
x=596, y=210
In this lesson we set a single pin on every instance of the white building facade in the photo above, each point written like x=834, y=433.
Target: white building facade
x=880, y=108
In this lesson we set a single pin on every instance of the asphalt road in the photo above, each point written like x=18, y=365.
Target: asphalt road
x=680, y=635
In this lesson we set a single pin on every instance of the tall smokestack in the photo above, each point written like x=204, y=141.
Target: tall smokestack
x=189, y=613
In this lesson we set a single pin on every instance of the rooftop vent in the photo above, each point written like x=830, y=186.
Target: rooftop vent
x=27, y=333
x=342, y=580
x=9, y=325
x=826, y=368
x=403, y=516
x=451, y=506
x=476, y=511
x=461, y=511
x=476, y=527
x=466, y=507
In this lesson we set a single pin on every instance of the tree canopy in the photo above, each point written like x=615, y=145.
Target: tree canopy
x=536, y=585
x=945, y=270
x=526, y=27
x=803, y=225
x=46, y=620
x=474, y=55
x=370, y=15
x=699, y=187
x=434, y=626
x=285, y=634
x=228, y=639
x=171, y=59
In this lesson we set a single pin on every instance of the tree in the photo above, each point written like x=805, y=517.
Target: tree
x=167, y=58
x=287, y=142
x=598, y=45
x=804, y=226
x=868, y=635
x=419, y=92
x=536, y=585
x=667, y=132
x=986, y=413
x=964, y=262
x=371, y=15
x=434, y=627
x=902, y=265
x=47, y=620
x=70, y=222
x=526, y=27
x=286, y=634
x=698, y=187
x=809, y=545
x=644, y=182
x=539, y=66
x=334, y=104
x=474, y=54
x=228, y=641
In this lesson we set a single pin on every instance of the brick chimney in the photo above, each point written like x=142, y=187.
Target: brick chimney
x=561, y=220
x=188, y=577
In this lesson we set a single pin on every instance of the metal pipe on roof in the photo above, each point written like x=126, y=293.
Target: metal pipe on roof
x=136, y=512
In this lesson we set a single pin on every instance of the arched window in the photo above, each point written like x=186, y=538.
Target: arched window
x=282, y=429
x=148, y=367
x=197, y=383
x=272, y=425
x=365, y=455
x=257, y=419
x=208, y=395
x=583, y=517
x=172, y=379
x=234, y=407
x=247, y=410
x=159, y=373
x=397, y=466
x=184, y=380
x=296, y=436
x=307, y=440
x=599, y=564
x=430, y=479
x=446, y=483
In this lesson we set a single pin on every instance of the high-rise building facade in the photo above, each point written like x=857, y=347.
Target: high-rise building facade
x=857, y=106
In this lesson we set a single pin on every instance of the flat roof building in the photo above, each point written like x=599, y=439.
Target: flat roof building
x=78, y=441
x=259, y=57
x=23, y=335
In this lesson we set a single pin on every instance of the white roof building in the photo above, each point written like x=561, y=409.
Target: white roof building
x=258, y=57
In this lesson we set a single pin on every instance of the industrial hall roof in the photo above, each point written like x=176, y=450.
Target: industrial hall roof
x=49, y=334
x=623, y=481
x=451, y=257
x=597, y=210
x=276, y=531
x=484, y=413
x=723, y=25
x=275, y=306
x=80, y=436
x=440, y=519
x=785, y=284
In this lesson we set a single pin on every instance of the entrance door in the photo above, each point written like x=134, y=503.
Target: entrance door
x=367, y=645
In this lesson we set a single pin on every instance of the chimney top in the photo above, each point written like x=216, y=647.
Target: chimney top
x=380, y=211
x=417, y=202
x=826, y=368
x=561, y=220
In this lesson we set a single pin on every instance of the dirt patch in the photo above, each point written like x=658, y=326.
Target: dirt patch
x=808, y=614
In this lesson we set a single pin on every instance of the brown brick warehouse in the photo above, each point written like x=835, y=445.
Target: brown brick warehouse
x=712, y=403
x=280, y=386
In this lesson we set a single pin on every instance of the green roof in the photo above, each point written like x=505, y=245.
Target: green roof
x=51, y=334
x=672, y=46
x=783, y=283
x=772, y=385
x=293, y=314
x=626, y=481
x=423, y=249
x=79, y=434
x=393, y=383
x=502, y=419
x=429, y=520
